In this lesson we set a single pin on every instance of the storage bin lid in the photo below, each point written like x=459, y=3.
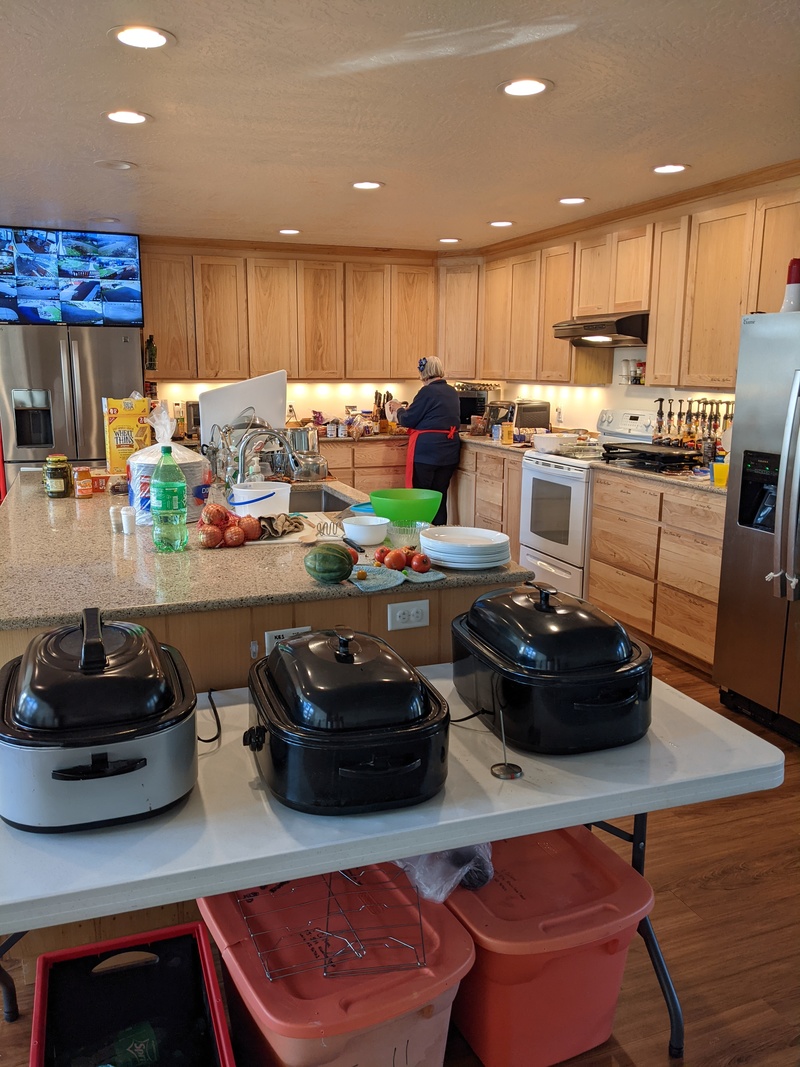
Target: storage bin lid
x=536, y=627
x=343, y=680
x=551, y=892
x=95, y=674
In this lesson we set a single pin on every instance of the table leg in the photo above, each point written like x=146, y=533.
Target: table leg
x=10, y=1008
x=638, y=842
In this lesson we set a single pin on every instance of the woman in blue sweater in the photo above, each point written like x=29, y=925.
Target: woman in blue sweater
x=433, y=419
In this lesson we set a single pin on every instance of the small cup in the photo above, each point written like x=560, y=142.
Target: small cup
x=128, y=515
x=115, y=514
x=719, y=474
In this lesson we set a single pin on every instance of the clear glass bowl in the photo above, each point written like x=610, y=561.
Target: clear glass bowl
x=402, y=535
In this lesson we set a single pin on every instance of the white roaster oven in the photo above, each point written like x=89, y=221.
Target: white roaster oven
x=555, y=512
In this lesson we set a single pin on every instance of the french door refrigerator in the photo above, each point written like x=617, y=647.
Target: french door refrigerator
x=757, y=655
x=52, y=381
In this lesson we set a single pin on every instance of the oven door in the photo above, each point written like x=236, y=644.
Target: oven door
x=554, y=507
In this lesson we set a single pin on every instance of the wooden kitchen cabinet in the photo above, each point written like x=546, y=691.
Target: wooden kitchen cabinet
x=272, y=316
x=168, y=298
x=339, y=455
x=720, y=249
x=665, y=336
x=367, y=320
x=489, y=490
x=512, y=500
x=612, y=272
x=592, y=292
x=461, y=496
x=458, y=319
x=511, y=317
x=220, y=304
x=496, y=316
x=413, y=318
x=320, y=315
x=554, y=357
x=380, y=464
x=776, y=241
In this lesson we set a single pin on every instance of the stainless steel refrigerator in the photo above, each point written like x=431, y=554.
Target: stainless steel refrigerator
x=757, y=656
x=52, y=381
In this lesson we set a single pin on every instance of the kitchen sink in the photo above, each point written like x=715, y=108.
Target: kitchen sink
x=316, y=499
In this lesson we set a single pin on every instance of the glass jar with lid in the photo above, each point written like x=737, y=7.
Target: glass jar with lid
x=57, y=476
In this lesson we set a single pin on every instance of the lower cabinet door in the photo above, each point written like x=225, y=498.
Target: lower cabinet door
x=628, y=598
x=686, y=622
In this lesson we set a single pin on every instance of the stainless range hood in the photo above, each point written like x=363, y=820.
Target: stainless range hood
x=604, y=331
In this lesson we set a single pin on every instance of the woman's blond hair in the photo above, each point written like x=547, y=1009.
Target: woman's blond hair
x=432, y=368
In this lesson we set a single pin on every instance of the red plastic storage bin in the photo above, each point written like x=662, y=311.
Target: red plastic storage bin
x=300, y=995
x=153, y=997
x=552, y=931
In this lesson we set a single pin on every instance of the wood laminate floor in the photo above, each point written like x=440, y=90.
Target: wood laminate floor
x=727, y=877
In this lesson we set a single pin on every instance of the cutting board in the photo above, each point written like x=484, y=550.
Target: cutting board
x=220, y=406
x=293, y=538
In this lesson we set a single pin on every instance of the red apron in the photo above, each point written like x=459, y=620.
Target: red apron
x=412, y=447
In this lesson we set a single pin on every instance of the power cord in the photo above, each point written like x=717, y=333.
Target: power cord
x=215, y=713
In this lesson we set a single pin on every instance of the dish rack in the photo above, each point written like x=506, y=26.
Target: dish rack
x=348, y=922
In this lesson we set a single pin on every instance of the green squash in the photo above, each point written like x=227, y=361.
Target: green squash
x=329, y=563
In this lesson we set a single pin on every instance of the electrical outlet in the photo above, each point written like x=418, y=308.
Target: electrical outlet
x=408, y=615
x=271, y=637
x=559, y=416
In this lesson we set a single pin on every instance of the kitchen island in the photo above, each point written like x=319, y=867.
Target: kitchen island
x=60, y=556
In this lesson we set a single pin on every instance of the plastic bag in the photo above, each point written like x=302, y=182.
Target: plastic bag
x=436, y=874
x=196, y=470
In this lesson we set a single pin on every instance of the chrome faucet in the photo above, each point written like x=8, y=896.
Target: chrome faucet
x=253, y=435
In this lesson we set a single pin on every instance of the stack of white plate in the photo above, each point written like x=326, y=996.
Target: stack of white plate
x=465, y=548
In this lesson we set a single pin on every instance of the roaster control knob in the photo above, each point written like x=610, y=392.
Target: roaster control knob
x=254, y=738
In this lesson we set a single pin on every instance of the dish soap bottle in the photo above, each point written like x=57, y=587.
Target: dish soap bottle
x=168, y=504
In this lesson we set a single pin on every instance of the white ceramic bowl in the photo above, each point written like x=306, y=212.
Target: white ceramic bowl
x=552, y=442
x=365, y=529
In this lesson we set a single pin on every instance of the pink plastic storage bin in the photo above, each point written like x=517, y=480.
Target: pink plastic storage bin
x=364, y=1011
x=552, y=931
x=153, y=995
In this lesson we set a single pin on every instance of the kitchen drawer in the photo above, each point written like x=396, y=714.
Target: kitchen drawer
x=686, y=622
x=634, y=496
x=630, y=544
x=338, y=453
x=485, y=521
x=381, y=453
x=489, y=499
x=490, y=467
x=695, y=510
x=468, y=459
x=690, y=563
x=626, y=597
x=370, y=478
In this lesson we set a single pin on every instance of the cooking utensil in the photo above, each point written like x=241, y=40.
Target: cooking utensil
x=352, y=544
x=329, y=529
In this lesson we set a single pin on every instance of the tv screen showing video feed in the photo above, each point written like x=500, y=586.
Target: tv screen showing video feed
x=69, y=276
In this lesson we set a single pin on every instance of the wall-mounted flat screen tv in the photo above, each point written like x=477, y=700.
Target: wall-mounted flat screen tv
x=69, y=276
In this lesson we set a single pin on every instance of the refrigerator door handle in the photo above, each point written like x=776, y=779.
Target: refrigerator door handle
x=782, y=548
x=66, y=378
x=76, y=377
x=793, y=523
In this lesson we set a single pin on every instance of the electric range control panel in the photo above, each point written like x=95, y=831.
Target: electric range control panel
x=626, y=425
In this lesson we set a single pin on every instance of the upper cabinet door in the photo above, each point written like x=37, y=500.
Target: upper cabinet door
x=777, y=240
x=413, y=318
x=670, y=260
x=524, y=317
x=592, y=276
x=320, y=315
x=458, y=319
x=221, y=317
x=720, y=248
x=555, y=305
x=631, y=260
x=496, y=318
x=272, y=315
x=367, y=311
x=168, y=296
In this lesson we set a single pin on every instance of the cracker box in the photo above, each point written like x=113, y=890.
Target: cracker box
x=125, y=429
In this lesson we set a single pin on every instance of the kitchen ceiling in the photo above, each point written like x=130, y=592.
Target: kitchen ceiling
x=264, y=112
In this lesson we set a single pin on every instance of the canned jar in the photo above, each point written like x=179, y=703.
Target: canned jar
x=83, y=481
x=57, y=476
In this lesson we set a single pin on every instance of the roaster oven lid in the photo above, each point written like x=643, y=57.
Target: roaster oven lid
x=92, y=675
x=537, y=627
x=344, y=680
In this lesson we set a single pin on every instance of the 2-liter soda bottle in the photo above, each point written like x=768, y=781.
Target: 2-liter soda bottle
x=168, y=504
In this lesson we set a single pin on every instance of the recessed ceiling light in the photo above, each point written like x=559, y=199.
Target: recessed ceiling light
x=449, y=240
x=670, y=168
x=367, y=185
x=115, y=164
x=129, y=118
x=525, y=87
x=103, y=218
x=288, y=231
x=573, y=199
x=142, y=36
x=501, y=223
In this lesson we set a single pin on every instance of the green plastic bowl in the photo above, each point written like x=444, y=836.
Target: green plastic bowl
x=406, y=505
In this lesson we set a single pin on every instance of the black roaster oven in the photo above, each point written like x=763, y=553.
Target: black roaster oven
x=339, y=724
x=565, y=676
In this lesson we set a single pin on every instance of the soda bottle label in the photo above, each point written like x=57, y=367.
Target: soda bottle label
x=167, y=497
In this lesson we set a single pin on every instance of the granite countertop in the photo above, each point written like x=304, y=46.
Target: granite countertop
x=684, y=480
x=60, y=556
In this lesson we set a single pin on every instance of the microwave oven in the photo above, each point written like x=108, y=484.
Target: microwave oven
x=473, y=400
x=522, y=414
